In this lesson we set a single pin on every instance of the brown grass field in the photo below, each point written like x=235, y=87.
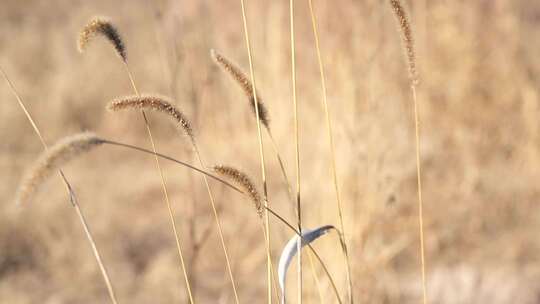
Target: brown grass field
x=479, y=109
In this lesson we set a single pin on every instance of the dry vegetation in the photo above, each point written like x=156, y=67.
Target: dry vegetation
x=479, y=99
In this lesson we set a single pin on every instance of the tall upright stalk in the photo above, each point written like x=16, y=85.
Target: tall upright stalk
x=297, y=149
x=419, y=185
x=71, y=194
x=333, y=165
x=216, y=217
x=164, y=189
x=408, y=45
x=261, y=153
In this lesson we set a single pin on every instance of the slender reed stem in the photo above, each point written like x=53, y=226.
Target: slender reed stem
x=315, y=276
x=132, y=147
x=274, y=282
x=297, y=149
x=261, y=153
x=91, y=241
x=164, y=188
x=419, y=182
x=292, y=198
x=281, y=165
x=332, y=148
x=408, y=45
x=218, y=224
x=71, y=193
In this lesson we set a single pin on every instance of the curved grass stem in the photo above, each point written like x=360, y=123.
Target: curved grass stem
x=229, y=185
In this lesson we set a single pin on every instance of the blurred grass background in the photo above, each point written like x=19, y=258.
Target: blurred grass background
x=480, y=145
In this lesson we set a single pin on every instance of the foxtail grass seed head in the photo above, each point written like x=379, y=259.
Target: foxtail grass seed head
x=155, y=103
x=241, y=78
x=242, y=180
x=61, y=153
x=102, y=26
x=407, y=36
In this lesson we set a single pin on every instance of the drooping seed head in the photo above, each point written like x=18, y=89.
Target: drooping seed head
x=102, y=26
x=242, y=180
x=61, y=153
x=156, y=103
x=407, y=37
x=243, y=81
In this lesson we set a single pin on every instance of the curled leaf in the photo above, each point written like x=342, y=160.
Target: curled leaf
x=290, y=250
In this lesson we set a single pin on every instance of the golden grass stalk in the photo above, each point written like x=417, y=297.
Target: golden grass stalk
x=162, y=105
x=155, y=103
x=332, y=149
x=408, y=41
x=61, y=153
x=244, y=182
x=102, y=26
x=255, y=102
x=218, y=224
x=297, y=148
x=71, y=193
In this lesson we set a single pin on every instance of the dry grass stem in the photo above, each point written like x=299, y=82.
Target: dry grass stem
x=71, y=194
x=258, y=120
x=408, y=40
x=333, y=165
x=297, y=146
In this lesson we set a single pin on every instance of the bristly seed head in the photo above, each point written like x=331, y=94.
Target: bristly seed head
x=407, y=36
x=242, y=180
x=241, y=78
x=102, y=26
x=155, y=103
x=62, y=152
